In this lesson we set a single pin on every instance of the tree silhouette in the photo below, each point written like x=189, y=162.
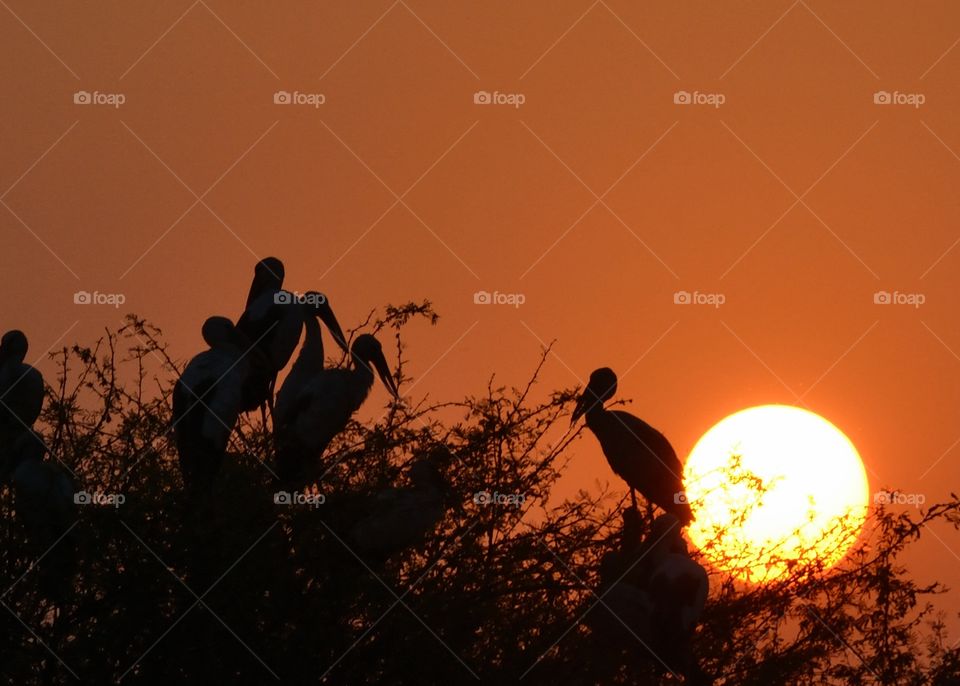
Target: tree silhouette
x=240, y=586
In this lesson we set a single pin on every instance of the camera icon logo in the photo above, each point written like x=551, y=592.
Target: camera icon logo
x=482, y=298
x=82, y=298
x=482, y=98
x=282, y=98
x=282, y=498
x=882, y=98
x=283, y=298
x=82, y=98
x=682, y=98
x=681, y=498
x=682, y=298
x=482, y=498
x=882, y=298
x=82, y=498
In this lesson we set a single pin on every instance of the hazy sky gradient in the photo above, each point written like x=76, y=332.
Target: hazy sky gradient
x=597, y=199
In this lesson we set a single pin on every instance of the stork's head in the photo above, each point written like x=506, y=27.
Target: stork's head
x=318, y=305
x=267, y=278
x=665, y=533
x=13, y=346
x=425, y=473
x=269, y=267
x=367, y=351
x=601, y=387
x=219, y=332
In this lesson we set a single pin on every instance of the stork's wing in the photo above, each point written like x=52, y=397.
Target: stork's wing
x=21, y=395
x=646, y=458
x=680, y=587
x=323, y=409
x=212, y=385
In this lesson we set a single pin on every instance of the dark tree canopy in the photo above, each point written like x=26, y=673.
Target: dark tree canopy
x=238, y=588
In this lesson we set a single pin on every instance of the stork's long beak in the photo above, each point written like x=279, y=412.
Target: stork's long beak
x=580, y=408
x=329, y=318
x=383, y=370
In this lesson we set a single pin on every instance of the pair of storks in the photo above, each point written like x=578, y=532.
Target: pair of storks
x=44, y=492
x=653, y=586
x=238, y=373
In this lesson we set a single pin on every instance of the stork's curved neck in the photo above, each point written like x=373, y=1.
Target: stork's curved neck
x=310, y=359
x=596, y=414
x=363, y=369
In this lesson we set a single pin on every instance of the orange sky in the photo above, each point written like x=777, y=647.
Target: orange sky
x=597, y=199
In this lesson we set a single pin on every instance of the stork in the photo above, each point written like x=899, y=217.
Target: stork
x=657, y=590
x=45, y=508
x=207, y=401
x=21, y=386
x=637, y=453
x=400, y=518
x=314, y=308
x=322, y=407
x=273, y=325
x=678, y=587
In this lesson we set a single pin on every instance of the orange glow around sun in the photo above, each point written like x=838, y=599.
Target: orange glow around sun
x=775, y=486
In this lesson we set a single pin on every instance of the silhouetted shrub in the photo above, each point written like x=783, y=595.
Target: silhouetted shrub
x=238, y=588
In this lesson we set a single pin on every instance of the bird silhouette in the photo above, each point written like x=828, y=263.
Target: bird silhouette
x=207, y=401
x=272, y=324
x=45, y=508
x=21, y=386
x=399, y=518
x=656, y=590
x=637, y=453
x=314, y=308
x=324, y=405
x=678, y=587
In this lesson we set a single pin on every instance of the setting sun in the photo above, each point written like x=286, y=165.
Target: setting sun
x=784, y=486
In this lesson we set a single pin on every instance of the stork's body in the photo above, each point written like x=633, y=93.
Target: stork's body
x=637, y=453
x=400, y=518
x=207, y=401
x=321, y=407
x=678, y=587
x=44, y=507
x=21, y=387
x=655, y=588
x=272, y=323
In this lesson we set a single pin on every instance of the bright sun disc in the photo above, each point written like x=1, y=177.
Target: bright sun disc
x=774, y=486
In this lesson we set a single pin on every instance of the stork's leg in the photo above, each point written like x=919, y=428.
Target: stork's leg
x=633, y=498
x=271, y=390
